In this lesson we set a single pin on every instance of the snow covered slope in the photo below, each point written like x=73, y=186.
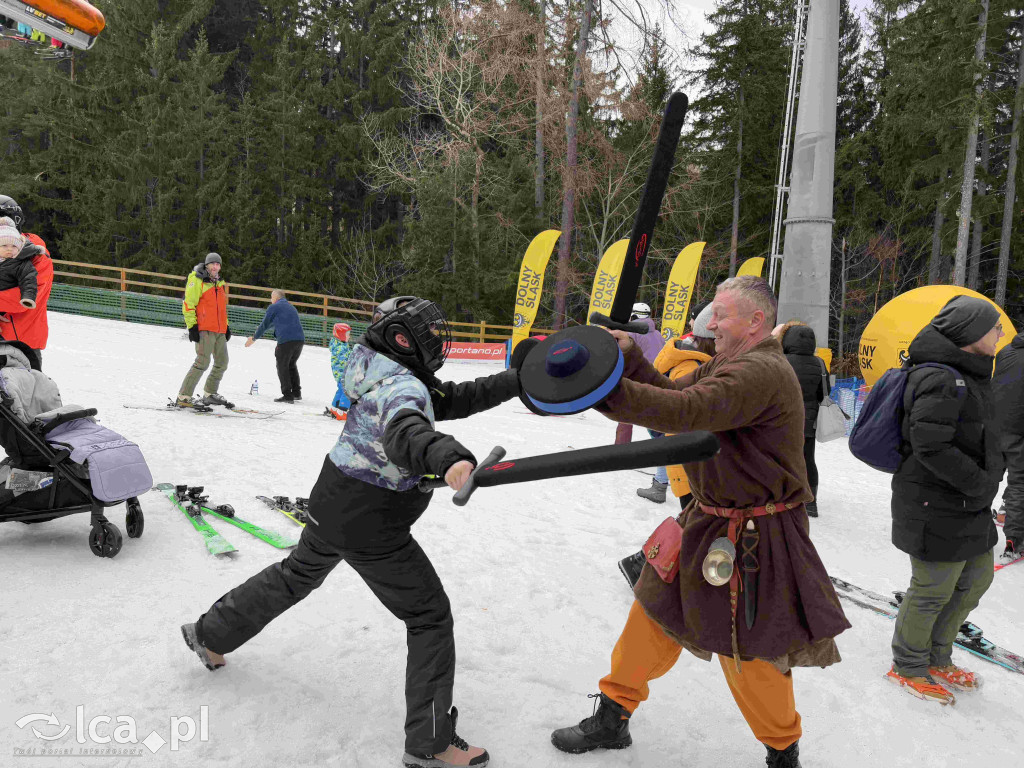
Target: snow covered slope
x=530, y=570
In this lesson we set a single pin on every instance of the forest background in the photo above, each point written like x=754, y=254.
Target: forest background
x=367, y=147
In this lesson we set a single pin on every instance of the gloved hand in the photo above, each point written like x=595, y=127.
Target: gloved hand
x=519, y=354
x=227, y=333
x=193, y=333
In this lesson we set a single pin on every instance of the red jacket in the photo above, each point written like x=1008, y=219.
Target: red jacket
x=21, y=323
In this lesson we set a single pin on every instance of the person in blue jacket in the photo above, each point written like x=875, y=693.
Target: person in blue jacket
x=284, y=319
x=339, y=359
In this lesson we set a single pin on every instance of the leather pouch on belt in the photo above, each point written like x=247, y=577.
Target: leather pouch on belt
x=662, y=549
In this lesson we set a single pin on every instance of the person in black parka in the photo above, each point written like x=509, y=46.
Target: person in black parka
x=1008, y=390
x=798, y=344
x=943, y=491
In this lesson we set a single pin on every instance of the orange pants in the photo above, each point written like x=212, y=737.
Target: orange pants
x=763, y=694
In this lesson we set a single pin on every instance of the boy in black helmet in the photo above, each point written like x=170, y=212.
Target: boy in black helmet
x=362, y=509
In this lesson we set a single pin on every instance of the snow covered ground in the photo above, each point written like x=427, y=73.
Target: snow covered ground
x=530, y=569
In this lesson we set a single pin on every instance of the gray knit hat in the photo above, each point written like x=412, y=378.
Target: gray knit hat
x=966, y=319
x=700, y=325
x=9, y=234
x=212, y=258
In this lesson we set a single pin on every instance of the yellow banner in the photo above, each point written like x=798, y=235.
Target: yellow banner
x=531, y=283
x=607, y=278
x=680, y=290
x=826, y=356
x=752, y=266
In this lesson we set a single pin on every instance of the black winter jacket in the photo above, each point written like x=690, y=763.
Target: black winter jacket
x=798, y=344
x=20, y=272
x=1008, y=387
x=410, y=441
x=942, y=492
x=357, y=515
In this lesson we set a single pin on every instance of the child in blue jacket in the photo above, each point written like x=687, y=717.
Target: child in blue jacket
x=339, y=360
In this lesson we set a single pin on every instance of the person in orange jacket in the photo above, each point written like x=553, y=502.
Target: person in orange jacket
x=206, y=316
x=17, y=321
x=678, y=358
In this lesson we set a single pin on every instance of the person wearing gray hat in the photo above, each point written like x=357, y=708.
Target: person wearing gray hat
x=942, y=493
x=206, y=317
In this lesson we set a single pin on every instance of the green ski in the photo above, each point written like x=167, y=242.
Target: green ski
x=272, y=538
x=215, y=543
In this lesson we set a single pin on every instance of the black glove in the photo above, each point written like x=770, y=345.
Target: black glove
x=193, y=333
x=227, y=333
x=519, y=354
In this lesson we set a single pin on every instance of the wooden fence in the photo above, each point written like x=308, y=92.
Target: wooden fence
x=256, y=296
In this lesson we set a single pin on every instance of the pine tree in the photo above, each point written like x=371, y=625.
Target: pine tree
x=738, y=120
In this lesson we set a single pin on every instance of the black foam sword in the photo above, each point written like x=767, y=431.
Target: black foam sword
x=646, y=217
x=672, y=449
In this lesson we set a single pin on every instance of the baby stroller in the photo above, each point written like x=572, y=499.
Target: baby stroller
x=60, y=460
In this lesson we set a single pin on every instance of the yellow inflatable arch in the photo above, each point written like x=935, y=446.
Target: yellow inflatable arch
x=884, y=342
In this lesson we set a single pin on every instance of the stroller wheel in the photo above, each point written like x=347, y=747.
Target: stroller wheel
x=226, y=510
x=134, y=520
x=105, y=540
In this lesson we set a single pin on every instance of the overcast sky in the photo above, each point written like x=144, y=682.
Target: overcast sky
x=694, y=10
x=682, y=30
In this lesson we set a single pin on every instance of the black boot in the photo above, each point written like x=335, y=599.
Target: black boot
x=787, y=758
x=607, y=728
x=812, y=506
x=632, y=567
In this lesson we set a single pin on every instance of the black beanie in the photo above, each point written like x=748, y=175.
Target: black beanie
x=966, y=319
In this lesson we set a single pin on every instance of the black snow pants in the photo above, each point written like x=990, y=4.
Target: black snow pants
x=1013, y=496
x=812, y=467
x=402, y=578
x=287, y=354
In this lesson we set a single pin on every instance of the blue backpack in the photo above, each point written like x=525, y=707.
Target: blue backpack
x=877, y=436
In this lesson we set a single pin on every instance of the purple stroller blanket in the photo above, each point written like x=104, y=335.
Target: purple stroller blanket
x=117, y=469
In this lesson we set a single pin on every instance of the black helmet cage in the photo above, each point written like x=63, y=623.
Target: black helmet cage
x=11, y=209
x=413, y=330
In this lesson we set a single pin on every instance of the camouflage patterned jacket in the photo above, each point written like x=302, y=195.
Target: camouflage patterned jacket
x=339, y=357
x=389, y=439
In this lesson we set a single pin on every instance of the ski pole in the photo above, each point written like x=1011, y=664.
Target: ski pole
x=675, y=449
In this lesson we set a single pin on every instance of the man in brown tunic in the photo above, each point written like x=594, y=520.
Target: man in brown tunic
x=779, y=611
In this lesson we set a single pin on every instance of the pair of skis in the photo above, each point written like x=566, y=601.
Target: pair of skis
x=193, y=505
x=969, y=638
x=230, y=412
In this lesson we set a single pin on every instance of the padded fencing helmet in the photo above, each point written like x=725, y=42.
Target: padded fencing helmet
x=640, y=311
x=11, y=209
x=411, y=331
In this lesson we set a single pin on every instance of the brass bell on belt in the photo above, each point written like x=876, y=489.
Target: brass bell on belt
x=719, y=562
